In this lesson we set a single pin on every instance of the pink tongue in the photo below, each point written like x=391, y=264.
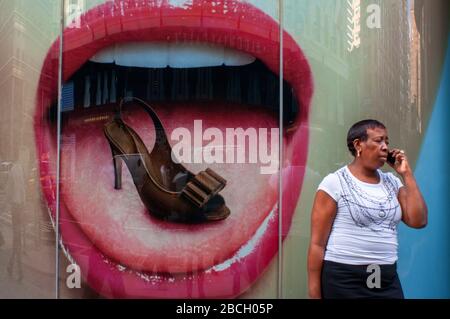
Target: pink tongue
x=117, y=222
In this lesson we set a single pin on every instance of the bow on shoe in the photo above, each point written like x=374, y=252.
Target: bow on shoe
x=203, y=186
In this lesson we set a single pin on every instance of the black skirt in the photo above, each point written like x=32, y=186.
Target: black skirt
x=342, y=281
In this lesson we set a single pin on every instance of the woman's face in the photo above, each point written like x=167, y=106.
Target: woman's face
x=374, y=149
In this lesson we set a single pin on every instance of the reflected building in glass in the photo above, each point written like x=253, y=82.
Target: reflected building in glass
x=26, y=232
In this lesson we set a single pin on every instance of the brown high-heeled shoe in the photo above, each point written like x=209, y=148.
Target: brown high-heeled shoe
x=168, y=190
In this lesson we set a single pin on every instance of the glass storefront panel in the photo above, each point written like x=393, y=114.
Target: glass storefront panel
x=369, y=59
x=165, y=103
x=27, y=240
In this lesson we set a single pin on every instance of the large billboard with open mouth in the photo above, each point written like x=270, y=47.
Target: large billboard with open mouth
x=173, y=148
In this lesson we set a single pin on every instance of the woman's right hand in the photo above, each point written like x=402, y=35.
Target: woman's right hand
x=322, y=217
x=314, y=292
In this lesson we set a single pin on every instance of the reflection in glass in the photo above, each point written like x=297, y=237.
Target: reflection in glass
x=26, y=236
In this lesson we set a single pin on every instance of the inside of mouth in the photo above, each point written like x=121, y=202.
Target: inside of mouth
x=116, y=221
x=97, y=84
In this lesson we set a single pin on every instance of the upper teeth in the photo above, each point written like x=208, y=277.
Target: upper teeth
x=175, y=55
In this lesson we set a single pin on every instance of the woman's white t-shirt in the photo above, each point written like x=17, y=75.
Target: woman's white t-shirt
x=364, y=231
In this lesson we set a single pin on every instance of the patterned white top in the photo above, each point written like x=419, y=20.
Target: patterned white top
x=364, y=231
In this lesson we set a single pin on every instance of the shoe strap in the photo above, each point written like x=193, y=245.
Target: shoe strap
x=161, y=138
x=203, y=186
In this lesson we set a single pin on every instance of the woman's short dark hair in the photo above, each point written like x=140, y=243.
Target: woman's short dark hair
x=359, y=131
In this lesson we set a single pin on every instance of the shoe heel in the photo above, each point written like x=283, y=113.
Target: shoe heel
x=117, y=162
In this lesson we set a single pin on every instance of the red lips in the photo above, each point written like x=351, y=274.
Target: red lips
x=229, y=23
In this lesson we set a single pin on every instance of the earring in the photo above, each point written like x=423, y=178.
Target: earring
x=358, y=153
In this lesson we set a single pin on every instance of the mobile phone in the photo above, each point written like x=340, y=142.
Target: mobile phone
x=391, y=158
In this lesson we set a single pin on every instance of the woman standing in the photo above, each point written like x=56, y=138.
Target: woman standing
x=353, y=248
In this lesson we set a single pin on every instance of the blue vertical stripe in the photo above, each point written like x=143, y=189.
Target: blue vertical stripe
x=424, y=255
x=67, y=97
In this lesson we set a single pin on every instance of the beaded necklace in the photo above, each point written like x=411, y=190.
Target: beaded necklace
x=367, y=210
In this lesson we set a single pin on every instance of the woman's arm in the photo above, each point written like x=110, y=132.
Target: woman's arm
x=322, y=217
x=414, y=208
